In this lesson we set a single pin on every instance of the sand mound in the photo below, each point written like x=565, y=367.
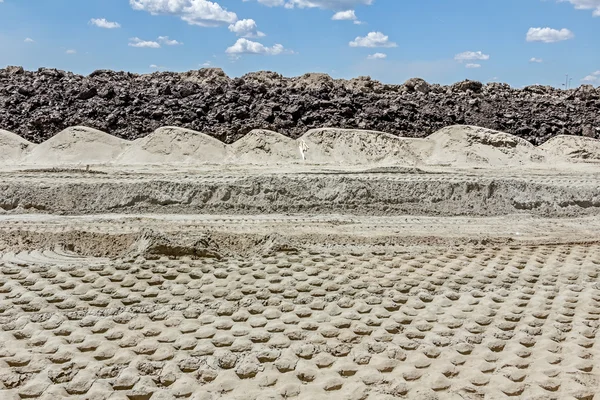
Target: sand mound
x=77, y=145
x=352, y=147
x=172, y=145
x=471, y=145
x=13, y=147
x=261, y=146
x=575, y=147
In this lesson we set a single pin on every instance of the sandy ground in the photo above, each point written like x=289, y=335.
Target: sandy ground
x=450, y=280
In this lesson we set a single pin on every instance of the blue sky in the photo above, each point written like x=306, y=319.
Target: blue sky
x=520, y=42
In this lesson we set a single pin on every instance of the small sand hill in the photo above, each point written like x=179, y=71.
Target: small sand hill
x=356, y=147
x=13, y=148
x=574, y=147
x=261, y=146
x=470, y=145
x=172, y=145
x=77, y=145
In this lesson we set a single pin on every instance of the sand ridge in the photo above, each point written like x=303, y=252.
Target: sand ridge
x=77, y=145
x=13, y=147
x=461, y=146
x=261, y=146
x=573, y=147
x=174, y=145
x=348, y=147
x=469, y=145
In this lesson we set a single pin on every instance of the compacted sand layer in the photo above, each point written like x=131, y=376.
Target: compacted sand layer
x=368, y=191
x=342, y=265
x=351, y=318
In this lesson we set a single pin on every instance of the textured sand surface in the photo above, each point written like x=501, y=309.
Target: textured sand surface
x=461, y=266
x=413, y=319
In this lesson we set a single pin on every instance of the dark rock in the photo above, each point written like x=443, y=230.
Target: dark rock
x=417, y=85
x=465, y=85
x=39, y=104
x=87, y=93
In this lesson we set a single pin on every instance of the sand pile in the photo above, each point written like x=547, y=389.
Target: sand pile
x=172, y=145
x=573, y=147
x=261, y=146
x=77, y=145
x=470, y=145
x=13, y=148
x=353, y=147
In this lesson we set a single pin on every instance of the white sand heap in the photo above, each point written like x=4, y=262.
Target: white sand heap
x=573, y=147
x=261, y=146
x=13, y=148
x=77, y=145
x=459, y=145
x=354, y=147
x=172, y=145
x=470, y=145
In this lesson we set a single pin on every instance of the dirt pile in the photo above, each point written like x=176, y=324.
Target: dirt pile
x=37, y=104
x=470, y=145
x=13, y=148
x=77, y=145
x=349, y=147
x=455, y=146
x=172, y=145
x=260, y=146
x=573, y=147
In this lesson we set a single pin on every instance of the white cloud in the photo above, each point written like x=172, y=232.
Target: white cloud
x=246, y=28
x=586, y=5
x=337, y=5
x=168, y=42
x=328, y=4
x=473, y=65
x=27, y=40
x=270, y=3
x=137, y=42
x=471, y=56
x=71, y=51
x=245, y=46
x=373, y=39
x=103, y=23
x=593, y=77
x=206, y=64
x=194, y=12
x=535, y=60
x=548, y=35
x=347, y=15
x=377, y=56
x=154, y=66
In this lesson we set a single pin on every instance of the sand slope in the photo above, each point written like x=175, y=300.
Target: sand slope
x=458, y=146
x=574, y=147
x=77, y=145
x=174, y=145
x=13, y=147
x=261, y=146
x=470, y=145
x=351, y=147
